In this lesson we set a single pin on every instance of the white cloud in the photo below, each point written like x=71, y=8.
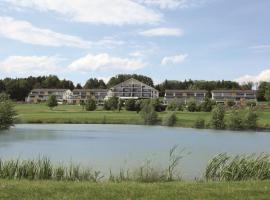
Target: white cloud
x=137, y=54
x=27, y=33
x=262, y=76
x=104, y=62
x=29, y=65
x=162, y=32
x=115, y=12
x=109, y=42
x=172, y=4
x=177, y=59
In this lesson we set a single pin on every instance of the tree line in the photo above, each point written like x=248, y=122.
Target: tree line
x=19, y=88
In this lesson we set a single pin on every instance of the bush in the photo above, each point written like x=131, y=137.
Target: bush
x=90, y=105
x=250, y=120
x=169, y=119
x=217, y=119
x=148, y=114
x=230, y=103
x=207, y=105
x=111, y=104
x=235, y=121
x=175, y=106
x=251, y=103
x=199, y=123
x=7, y=112
x=192, y=106
x=159, y=107
x=52, y=102
x=130, y=105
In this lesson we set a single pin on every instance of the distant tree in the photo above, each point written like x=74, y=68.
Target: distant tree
x=169, y=119
x=235, y=121
x=148, y=113
x=111, y=103
x=230, y=103
x=52, y=102
x=7, y=112
x=130, y=105
x=78, y=86
x=207, y=105
x=267, y=92
x=217, y=119
x=90, y=105
x=192, y=106
x=123, y=77
x=93, y=83
x=250, y=119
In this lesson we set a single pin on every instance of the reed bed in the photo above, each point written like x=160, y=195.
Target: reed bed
x=238, y=168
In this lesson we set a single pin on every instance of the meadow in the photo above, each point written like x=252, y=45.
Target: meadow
x=40, y=113
x=14, y=189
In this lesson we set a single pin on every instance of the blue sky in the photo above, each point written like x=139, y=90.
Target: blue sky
x=173, y=39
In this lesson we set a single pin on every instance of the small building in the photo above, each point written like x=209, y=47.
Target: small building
x=221, y=96
x=41, y=95
x=183, y=96
x=81, y=95
x=133, y=89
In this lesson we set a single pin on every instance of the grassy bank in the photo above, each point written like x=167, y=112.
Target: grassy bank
x=40, y=113
x=10, y=189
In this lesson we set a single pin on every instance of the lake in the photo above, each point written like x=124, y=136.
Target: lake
x=106, y=147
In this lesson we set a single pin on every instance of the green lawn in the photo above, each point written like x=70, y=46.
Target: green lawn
x=40, y=113
x=10, y=189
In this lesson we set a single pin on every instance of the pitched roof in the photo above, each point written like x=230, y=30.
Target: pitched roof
x=48, y=89
x=231, y=91
x=183, y=91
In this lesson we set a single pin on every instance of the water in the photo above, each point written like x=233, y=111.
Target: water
x=113, y=147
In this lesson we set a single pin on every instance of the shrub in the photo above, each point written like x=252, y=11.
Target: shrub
x=192, y=106
x=90, y=105
x=199, y=123
x=7, y=112
x=148, y=113
x=207, y=105
x=159, y=107
x=250, y=120
x=217, y=119
x=111, y=103
x=235, y=121
x=52, y=102
x=169, y=119
x=230, y=103
x=172, y=106
x=251, y=103
x=130, y=104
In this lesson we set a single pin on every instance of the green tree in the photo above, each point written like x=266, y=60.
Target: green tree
x=120, y=104
x=52, y=102
x=207, y=105
x=130, y=105
x=235, y=121
x=230, y=103
x=217, y=119
x=250, y=119
x=90, y=105
x=267, y=92
x=7, y=112
x=111, y=103
x=172, y=106
x=169, y=119
x=148, y=113
x=192, y=106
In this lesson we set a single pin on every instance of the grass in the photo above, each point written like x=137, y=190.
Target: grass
x=40, y=113
x=13, y=190
x=238, y=168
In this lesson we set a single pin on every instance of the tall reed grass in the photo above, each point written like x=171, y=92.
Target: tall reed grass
x=238, y=168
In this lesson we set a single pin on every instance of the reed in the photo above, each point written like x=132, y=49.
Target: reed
x=238, y=168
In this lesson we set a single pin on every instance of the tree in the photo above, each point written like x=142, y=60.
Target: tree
x=123, y=77
x=235, y=121
x=172, y=106
x=207, y=105
x=94, y=83
x=169, y=119
x=90, y=105
x=130, y=105
x=192, y=106
x=217, y=119
x=148, y=113
x=267, y=93
x=261, y=91
x=78, y=86
x=52, y=102
x=111, y=103
x=250, y=119
x=120, y=105
x=230, y=103
x=7, y=112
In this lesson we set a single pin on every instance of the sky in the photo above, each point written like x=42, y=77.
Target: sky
x=163, y=39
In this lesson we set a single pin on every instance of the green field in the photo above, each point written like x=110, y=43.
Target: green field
x=10, y=189
x=40, y=113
